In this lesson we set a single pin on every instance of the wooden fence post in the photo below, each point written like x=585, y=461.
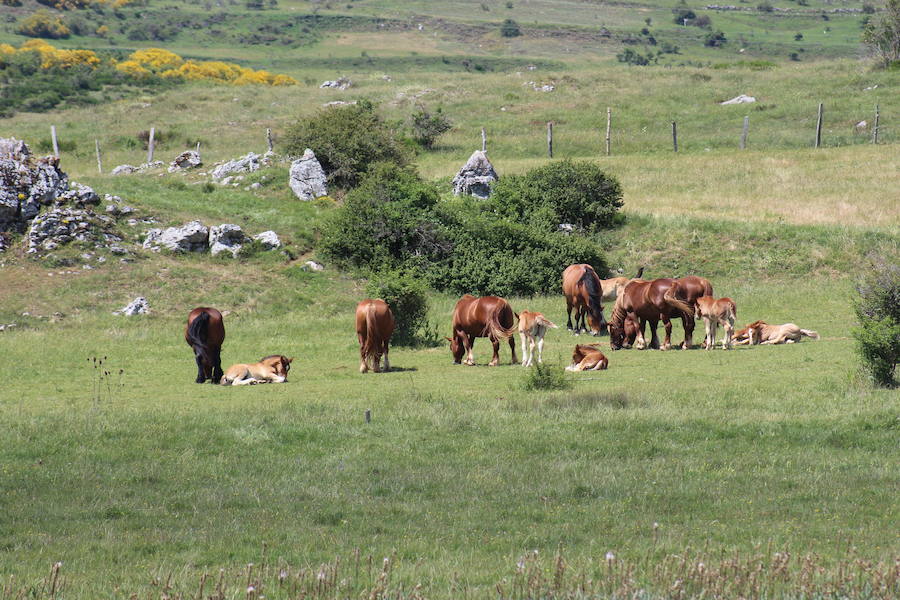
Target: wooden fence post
x=198, y=149
x=674, y=136
x=819, y=125
x=483, y=140
x=744, y=132
x=55, y=143
x=99, y=162
x=150, y=145
x=368, y=415
x=608, y=127
x=269, y=143
x=875, y=127
x=550, y=139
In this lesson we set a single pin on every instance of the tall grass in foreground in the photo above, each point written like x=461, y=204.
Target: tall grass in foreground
x=688, y=574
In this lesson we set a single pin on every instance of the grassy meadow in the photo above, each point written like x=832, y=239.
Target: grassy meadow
x=764, y=472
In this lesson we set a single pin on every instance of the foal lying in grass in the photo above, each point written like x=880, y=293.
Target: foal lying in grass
x=271, y=369
x=587, y=357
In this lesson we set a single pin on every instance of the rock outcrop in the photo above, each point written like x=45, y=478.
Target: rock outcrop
x=189, y=159
x=268, y=239
x=26, y=184
x=191, y=237
x=226, y=238
x=130, y=169
x=138, y=306
x=742, y=99
x=307, y=178
x=475, y=177
x=64, y=224
x=341, y=83
x=245, y=164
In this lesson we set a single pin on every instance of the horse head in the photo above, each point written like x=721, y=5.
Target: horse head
x=456, y=349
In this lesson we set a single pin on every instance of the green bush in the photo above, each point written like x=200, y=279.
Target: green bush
x=878, y=310
x=715, y=39
x=579, y=193
x=683, y=13
x=546, y=377
x=346, y=140
x=510, y=28
x=428, y=127
x=408, y=298
x=42, y=24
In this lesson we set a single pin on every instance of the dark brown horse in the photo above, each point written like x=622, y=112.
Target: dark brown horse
x=488, y=316
x=583, y=292
x=651, y=301
x=374, y=328
x=205, y=333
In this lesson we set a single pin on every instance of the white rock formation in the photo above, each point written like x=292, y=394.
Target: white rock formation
x=307, y=178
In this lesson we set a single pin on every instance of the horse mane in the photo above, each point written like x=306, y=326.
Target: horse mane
x=197, y=333
x=595, y=293
x=618, y=313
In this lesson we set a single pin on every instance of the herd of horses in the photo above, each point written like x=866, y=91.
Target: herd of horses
x=637, y=303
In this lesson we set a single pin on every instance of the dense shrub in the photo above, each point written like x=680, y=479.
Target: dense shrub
x=682, y=14
x=878, y=311
x=882, y=34
x=546, y=377
x=394, y=221
x=42, y=24
x=408, y=298
x=715, y=39
x=637, y=59
x=579, y=193
x=427, y=127
x=510, y=28
x=346, y=140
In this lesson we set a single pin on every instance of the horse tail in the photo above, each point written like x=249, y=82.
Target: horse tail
x=197, y=334
x=809, y=333
x=371, y=331
x=496, y=329
x=640, y=273
x=542, y=320
x=733, y=308
x=595, y=294
x=671, y=300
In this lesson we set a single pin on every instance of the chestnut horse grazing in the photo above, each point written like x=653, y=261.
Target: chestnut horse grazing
x=714, y=313
x=533, y=326
x=205, y=333
x=488, y=316
x=583, y=292
x=587, y=357
x=374, y=328
x=651, y=301
x=270, y=369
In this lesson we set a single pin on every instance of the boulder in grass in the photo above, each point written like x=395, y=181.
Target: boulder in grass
x=138, y=306
x=307, y=177
x=190, y=237
x=742, y=99
x=268, y=239
x=245, y=164
x=189, y=159
x=226, y=238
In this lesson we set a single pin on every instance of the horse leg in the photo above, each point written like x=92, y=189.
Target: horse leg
x=639, y=341
x=469, y=344
x=525, y=356
x=217, y=372
x=201, y=375
x=569, y=311
x=363, y=362
x=512, y=348
x=667, y=325
x=495, y=359
x=540, y=346
x=728, y=326
x=687, y=322
x=387, y=363
x=654, y=336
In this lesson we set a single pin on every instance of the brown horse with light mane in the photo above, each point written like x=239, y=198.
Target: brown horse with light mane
x=651, y=301
x=583, y=292
x=532, y=328
x=205, y=332
x=613, y=286
x=374, y=328
x=488, y=316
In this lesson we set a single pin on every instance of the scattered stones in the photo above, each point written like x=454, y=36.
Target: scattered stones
x=138, y=306
x=341, y=83
x=268, y=239
x=475, y=177
x=540, y=87
x=307, y=178
x=191, y=237
x=226, y=238
x=130, y=169
x=245, y=164
x=312, y=265
x=78, y=195
x=6, y=326
x=189, y=159
x=338, y=103
x=742, y=99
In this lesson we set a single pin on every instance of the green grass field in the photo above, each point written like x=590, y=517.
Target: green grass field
x=764, y=472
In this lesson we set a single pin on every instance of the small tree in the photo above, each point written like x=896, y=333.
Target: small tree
x=510, y=28
x=882, y=34
x=427, y=127
x=407, y=297
x=346, y=140
x=878, y=312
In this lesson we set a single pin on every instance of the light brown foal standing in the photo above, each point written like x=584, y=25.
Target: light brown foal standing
x=714, y=313
x=374, y=328
x=532, y=327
